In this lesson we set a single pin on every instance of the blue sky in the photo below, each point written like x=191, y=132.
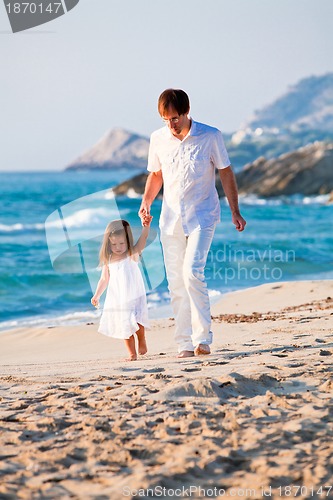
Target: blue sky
x=104, y=64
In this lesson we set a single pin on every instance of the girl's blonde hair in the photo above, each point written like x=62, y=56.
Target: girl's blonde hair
x=115, y=228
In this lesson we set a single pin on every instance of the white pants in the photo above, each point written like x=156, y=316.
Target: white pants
x=185, y=259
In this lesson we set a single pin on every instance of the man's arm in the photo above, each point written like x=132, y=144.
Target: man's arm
x=153, y=185
x=230, y=189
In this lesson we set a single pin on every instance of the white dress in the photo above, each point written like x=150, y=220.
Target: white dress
x=125, y=303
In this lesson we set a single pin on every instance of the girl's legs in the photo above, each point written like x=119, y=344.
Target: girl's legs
x=141, y=340
x=130, y=344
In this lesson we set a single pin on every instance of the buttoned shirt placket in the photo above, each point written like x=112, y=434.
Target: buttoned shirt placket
x=188, y=168
x=182, y=185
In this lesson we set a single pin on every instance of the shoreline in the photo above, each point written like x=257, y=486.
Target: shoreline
x=79, y=318
x=71, y=318
x=57, y=343
x=78, y=421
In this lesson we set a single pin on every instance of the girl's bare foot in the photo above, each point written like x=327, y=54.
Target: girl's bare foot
x=131, y=358
x=130, y=344
x=142, y=347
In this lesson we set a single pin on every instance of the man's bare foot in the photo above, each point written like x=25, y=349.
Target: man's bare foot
x=202, y=349
x=185, y=354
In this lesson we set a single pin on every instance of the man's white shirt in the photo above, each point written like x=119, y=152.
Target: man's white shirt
x=188, y=170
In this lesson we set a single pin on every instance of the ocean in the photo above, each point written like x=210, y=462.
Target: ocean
x=51, y=225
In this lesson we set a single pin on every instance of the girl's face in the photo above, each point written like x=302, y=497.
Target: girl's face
x=118, y=244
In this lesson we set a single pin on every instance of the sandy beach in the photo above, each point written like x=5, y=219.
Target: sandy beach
x=252, y=420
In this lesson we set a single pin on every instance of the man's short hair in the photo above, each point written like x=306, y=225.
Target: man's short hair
x=176, y=98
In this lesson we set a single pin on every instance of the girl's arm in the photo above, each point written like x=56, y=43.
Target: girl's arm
x=101, y=286
x=141, y=243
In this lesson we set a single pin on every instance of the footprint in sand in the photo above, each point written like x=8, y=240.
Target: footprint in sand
x=128, y=369
x=214, y=363
x=225, y=350
x=153, y=370
x=296, y=364
x=325, y=353
x=191, y=369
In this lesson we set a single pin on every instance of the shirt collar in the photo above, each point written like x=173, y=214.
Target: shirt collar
x=192, y=130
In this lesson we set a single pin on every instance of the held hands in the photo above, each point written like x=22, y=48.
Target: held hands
x=146, y=221
x=144, y=214
x=146, y=218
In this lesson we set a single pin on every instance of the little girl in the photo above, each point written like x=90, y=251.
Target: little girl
x=125, y=309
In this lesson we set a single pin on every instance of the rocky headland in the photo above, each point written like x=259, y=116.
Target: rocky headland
x=306, y=171
x=118, y=148
x=286, y=147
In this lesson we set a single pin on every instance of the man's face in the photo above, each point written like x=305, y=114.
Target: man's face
x=175, y=122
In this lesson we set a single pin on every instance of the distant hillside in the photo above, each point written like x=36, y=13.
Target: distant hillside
x=118, y=148
x=308, y=105
x=303, y=115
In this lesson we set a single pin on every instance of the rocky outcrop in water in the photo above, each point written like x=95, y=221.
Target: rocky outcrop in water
x=307, y=171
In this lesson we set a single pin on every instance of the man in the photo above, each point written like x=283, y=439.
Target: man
x=183, y=156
